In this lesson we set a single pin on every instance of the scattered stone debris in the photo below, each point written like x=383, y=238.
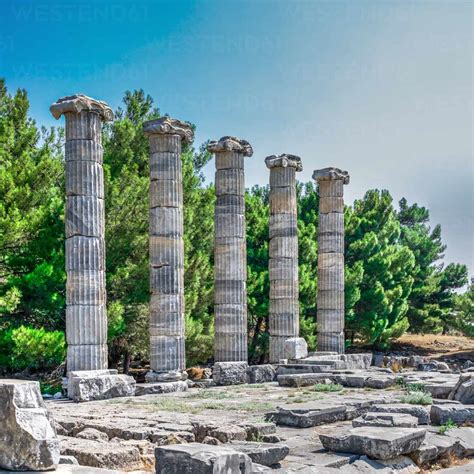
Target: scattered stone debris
x=27, y=439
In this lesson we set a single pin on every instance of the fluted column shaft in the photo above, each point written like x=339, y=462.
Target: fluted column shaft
x=230, y=254
x=330, y=300
x=167, y=346
x=283, y=253
x=86, y=319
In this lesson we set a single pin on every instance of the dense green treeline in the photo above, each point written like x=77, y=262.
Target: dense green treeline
x=395, y=280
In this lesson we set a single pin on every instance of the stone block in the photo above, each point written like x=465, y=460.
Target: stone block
x=101, y=454
x=459, y=414
x=375, y=442
x=166, y=193
x=84, y=216
x=86, y=357
x=86, y=287
x=27, y=439
x=357, y=361
x=417, y=411
x=166, y=251
x=229, y=160
x=165, y=165
x=261, y=373
x=331, y=243
x=200, y=458
x=283, y=200
x=84, y=178
x=283, y=225
x=230, y=181
x=283, y=269
x=166, y=280
x=85, y=386
x=162, y=142
x=86, y=324
x=331, y=204
x=265, y=454
x=230, y=291
x=284, y=289
x=229, y=225
x=464, y=390
x=167, y=353
x=230, y=204
x=302, y=380
x=83, y=150
x=283, y=247
x=387, y=420
x=330, y=320
x=295, y=348
x=166, y=221
x=230, y=373
x=85, y=253
x=332, y=223
x=162, y=387
x=228, y=346
x=306, y=415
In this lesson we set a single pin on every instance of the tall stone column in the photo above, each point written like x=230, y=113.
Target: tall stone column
x=167, y=356
x=283, y=263
x=330, y=314
x=230, y=254
x=86, y=319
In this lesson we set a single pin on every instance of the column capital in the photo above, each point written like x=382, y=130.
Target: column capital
x=228, y=143
x=331, y=174
x=284, y=161
x=169, y=126
x=78, y=103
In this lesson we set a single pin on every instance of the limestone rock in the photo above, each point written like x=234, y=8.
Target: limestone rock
x=92, y=433
x=256, y=430
x=230, y=373
x=164, y=387
x=27, y=439
x=200, y=458
x=71, y=460
x=415, y=410
x=261, y=373
x=387, y=420
x=357, y=361
x=464, y=389
x=305, y=415
x=295, y=348
x=458, y=413
x=101, y=387
x=379, y=443
x=262, y=453
x=302, y=380
x=101, y=454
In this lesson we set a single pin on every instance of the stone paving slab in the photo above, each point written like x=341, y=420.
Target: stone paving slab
x=378, y=443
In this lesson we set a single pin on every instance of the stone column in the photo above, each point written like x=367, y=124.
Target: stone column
x=283, y=263
x=167, y=357
x=330, y=312
x=230, y=254
x=86, y=319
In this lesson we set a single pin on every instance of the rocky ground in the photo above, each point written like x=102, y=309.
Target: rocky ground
x=277, y=426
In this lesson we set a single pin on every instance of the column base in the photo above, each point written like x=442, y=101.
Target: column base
x=230, y=373
x=167, y=376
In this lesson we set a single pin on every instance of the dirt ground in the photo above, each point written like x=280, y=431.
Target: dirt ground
x=436, y=346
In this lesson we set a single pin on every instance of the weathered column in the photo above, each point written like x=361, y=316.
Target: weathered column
x=167, y=357
x=283, y=263
x=230, y=254
x=331, y=259
x=86, y=320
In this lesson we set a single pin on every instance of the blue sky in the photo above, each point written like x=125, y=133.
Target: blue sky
x=382, y=89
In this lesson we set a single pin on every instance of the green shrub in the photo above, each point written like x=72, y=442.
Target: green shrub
x=417, y=398
x=27, y=347
x=327, y=387
x=416, y=387
x=445, y=427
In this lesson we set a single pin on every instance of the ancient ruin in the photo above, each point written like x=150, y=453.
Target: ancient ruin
x=330, y=300
x=230, y=256
x=86, y=319
x=167, y=357
x=284, y=314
